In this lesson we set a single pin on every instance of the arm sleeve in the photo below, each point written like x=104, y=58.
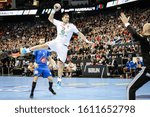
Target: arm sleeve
x=56, y=22
x=134, y=34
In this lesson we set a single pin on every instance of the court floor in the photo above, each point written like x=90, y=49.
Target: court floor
x=18, y=88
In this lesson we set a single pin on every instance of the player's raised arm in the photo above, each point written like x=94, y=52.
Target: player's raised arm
x=56, y=8
x=125, y=21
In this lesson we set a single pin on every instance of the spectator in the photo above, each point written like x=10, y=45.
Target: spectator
x=139, y=64
x=71, y=67
x=130, y=67
x=113, y=66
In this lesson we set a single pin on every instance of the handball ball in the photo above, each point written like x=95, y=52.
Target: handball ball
x=57, y=6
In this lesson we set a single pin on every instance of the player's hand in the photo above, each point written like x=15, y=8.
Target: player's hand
x=92, y=45
x=53, y=63
x=36, y=65
x=57, y=7
x=123, y=18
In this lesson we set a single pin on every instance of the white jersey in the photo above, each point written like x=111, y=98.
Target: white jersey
x=64, y=31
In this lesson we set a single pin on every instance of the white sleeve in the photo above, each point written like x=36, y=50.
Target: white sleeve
x=56, y=22
x=75, y=30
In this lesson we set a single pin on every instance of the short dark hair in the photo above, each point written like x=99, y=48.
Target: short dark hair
x=65, y=14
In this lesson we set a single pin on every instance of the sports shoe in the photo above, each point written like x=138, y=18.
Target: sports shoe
x=31, y=95
x=24, y=50
x=58, y=84
x=52, y=91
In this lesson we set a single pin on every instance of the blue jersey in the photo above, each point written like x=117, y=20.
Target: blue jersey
x=139, y=63
x=41, y=57
x=130, y=65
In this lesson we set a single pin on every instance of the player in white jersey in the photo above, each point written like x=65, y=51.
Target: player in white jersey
x=61, y=42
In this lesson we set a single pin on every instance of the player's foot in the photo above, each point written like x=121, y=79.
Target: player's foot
x=24, y=50
x=52, y=91
x=31, y=95
x=58, y=84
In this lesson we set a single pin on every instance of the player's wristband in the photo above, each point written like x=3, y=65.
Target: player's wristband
x=28, y=50
x=127, y=24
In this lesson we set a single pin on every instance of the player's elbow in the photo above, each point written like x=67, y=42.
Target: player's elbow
x=51, y=19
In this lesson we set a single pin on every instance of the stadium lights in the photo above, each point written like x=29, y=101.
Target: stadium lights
x=118, y=2
x=47, y=11
x=18, y=12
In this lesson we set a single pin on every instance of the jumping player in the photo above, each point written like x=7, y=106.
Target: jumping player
x=61, y=42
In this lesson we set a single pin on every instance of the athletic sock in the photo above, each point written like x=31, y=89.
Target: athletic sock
x=32, y=90
x=51, y=89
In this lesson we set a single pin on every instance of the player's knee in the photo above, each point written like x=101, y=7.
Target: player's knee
x=35, y=78
x=50, y=78
x=131, y=90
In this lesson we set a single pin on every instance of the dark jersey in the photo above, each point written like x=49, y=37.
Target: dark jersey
x=145, y=45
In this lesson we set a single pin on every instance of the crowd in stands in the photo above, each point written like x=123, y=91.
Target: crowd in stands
x=104, y=29
x=28, y=4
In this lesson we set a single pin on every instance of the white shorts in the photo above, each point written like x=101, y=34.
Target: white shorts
x=59, y=48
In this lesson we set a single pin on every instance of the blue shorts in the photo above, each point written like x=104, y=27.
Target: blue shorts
x=42, y=71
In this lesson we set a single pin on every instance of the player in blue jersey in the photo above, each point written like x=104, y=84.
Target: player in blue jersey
x=41, y=68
